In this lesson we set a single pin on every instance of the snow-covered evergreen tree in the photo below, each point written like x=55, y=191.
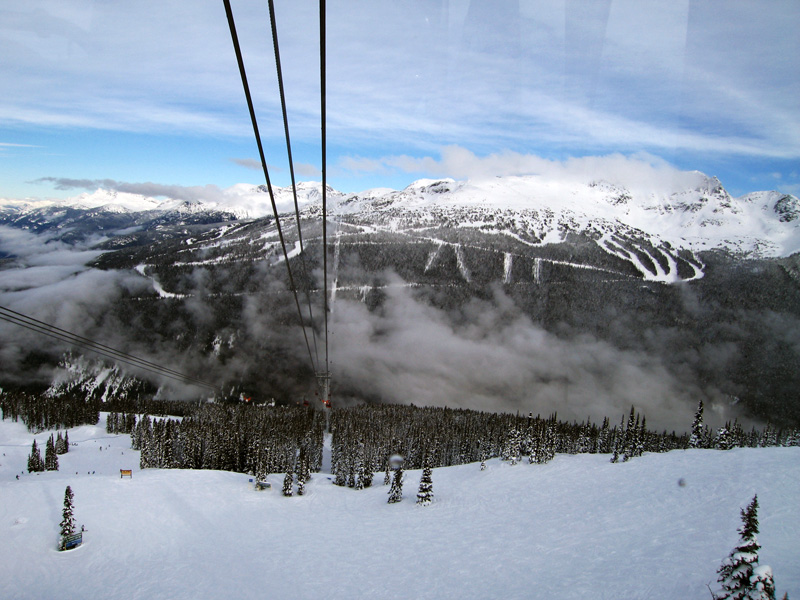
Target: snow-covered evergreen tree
x=511, y=447
x=724, y=439
x=60, y=445
x=68, y=519
x=35, y=462
x=302, y=473
x=425, y=493
x=50, y=456
x=762, y=583
x=696, y=440
x=740, y=575
x=366, y=474
x=387, y=477
x=287, y=484
x=396, y=491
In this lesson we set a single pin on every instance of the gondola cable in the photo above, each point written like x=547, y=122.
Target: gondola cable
x=324, y=377
x=240, y=61
x=303, y=265
x=32, y=324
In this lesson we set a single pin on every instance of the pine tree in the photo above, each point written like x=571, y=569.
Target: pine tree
x=724, y=438
x=50, y=456
x=35, y=462
x=512, y=446
x=740, y=575
x=762, y=583
x=696, y=440
x=68, y=520
x=301, y=473
x=287, y=484
x=396, y=491
x=60, y=447
x=387, y=476
x=630, y=436
x=66, y=442
x=425, y=493
x=365, y=474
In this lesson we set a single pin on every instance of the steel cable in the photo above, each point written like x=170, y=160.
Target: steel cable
x=240, y=61
x=16, y=318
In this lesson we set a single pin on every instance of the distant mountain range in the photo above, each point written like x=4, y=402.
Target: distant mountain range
x=705, y=285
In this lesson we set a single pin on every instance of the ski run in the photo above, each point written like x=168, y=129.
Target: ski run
x=578, y=527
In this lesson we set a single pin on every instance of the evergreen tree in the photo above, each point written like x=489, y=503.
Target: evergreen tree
x=302, y=473
x=396, y=491
x=287, y=484
x=50, y=456
x=68, y=520
x=35, y=462
x=740, y=576
x=763, y=584
x=511, y=448
x=387, y=476
x=261, y=466
x=696, y=440
x=365, y=475
x=425, y=493
x=629, y=436
x=724, y=438
x=60, y=444
x=66, y=442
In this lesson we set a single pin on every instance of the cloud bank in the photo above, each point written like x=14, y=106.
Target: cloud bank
x=640, y=171
x=616, y=76
x=154, y=190
x=489, y=356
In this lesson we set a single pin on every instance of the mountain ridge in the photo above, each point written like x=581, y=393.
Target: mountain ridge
x=702, y=217
x=633, y=298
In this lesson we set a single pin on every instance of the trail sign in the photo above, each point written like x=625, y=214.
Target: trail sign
x=72, y=541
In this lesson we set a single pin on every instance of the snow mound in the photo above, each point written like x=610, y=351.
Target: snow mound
x=577, y=527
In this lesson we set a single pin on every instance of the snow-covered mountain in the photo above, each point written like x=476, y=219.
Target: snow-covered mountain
x=683, y=287
x=657, y=232
x=538, y=212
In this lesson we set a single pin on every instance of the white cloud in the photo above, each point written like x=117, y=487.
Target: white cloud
x=307, y=170
x=247, y=163
x=497, y=359
x=618, y=77
x=639, y=172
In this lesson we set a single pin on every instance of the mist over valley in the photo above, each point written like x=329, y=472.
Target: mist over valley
x=505, y=294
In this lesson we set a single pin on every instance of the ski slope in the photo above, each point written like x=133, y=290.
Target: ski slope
x=577, y=527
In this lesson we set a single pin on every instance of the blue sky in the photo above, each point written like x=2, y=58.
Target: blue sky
x=148, y=92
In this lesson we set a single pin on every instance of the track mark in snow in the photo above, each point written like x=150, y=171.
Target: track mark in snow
x=432, y=257
x=661, y=275
x=162, y=293
x=291, y=253
x=462, y=265
x=508, y=261
x=336, y=246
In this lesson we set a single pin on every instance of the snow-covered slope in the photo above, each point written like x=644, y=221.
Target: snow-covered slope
x=700, y=218
x=577, y=527
x=243, y=200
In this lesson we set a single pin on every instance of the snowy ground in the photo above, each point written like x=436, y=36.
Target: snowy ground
x=578, y=527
